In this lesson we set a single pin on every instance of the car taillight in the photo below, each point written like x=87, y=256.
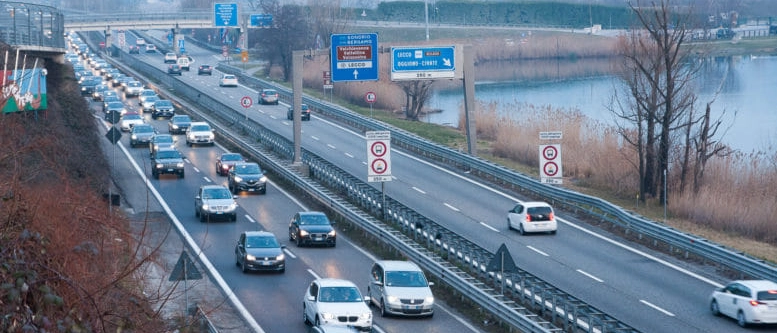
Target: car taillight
x=756, y=303
x=550, y=217
x=528, y=218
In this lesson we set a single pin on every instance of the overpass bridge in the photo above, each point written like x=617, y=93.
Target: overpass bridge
x=139, y=20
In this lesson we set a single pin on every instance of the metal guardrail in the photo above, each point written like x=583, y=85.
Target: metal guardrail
x=32, y=26
x=596, y=208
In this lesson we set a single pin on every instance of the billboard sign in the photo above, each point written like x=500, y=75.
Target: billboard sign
x=354, y=57
x=225, y=15
x=23, y=90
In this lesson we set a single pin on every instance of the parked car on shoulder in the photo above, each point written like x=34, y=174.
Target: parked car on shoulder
x=247, y=176
x=259, y=251
x=328, y=301
x=199, y=133
x=228, y=80
x=400, y=288
x=312, y=228
x=532, y=216
x=179, y=123
x=214, y=202
x=304, y=112
x=168, y=160
x=747, y=301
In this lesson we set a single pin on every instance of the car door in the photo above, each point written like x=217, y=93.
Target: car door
x=311, y=306
x=376, y=284
x=240, y=249
x=515, y=215
x=727, y=301
x=294, y=227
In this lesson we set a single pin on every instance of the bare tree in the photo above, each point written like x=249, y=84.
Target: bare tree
x=290, y=32
x=416, y=94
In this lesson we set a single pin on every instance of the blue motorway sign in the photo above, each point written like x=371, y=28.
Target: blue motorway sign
x=354, y=57
x=419, y=63
x=261, y=20
x=225, y=15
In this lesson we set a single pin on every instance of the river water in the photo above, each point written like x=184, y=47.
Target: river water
x=746, y=102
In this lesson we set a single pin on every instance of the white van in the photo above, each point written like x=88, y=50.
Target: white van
x=400, y=288
x=183, y=61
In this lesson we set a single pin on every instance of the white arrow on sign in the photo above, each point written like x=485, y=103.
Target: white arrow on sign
x=355, y=74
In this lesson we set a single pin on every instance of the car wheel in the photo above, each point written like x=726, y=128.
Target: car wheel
x=334, y=244
x=188, y=143
x=237, y=259
x=509, y=226
x=244, y=267
x=264, y=191
x=196, y=212
x=714, y=308
x=318, y=322
x=283, y=270
x=305, y=315
x=181, y=175
x=155, y=174
x=299, y=241
x=203, y=217
x=383, y=312
x=520, y=230
x=553, y=232
x=741, y=321
x=234, y=217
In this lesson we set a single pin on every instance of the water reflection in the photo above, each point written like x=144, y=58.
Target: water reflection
x=743, y=90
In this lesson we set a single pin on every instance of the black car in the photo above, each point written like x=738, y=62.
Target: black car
x=259, y=251
x=305, y=112
x=247, y=176
x=174, y=69
x=167, y=161
x=162, y=108
x=89, y=85
x=141, y=134
x=205, y=70
x=312, y=228
x=134, y=49
x=178, y=124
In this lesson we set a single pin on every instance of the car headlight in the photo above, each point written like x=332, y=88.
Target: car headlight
x=303, y=233
x=233, y=206
x=392, y=299
x=238, y=179
x=280, y=257
x=250, y=257
x=332, y=233
x=366, y=315
x=175, y=126
x=160, y=165
x=429, y=299
x=134, y=137
x=263, y=179
x=210, y=136
x=179, y=164
x=205, y=207
x=327, y=315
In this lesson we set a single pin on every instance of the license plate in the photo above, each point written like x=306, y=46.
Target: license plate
x=266, y=263
x=169, y=170
x=250, y=190
x=318, y=239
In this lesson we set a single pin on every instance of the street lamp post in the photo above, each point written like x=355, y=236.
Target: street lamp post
x=426, y=15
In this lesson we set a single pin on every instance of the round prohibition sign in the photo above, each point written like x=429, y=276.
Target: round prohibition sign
x=550, y=169
x=378, y=166
x=378, y=149
x=370, y=97
x=549, y=152
x=246, y=102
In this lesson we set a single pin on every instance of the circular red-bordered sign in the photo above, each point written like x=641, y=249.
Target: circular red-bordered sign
x=378, y=149
x=550, y=169
x=246, y=102
x=549, y=152
x=379, y=166
x=370, y=97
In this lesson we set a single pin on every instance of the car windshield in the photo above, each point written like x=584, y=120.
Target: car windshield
x=261, y=242
x=163, y=103
x=538, y=210
x=231, y=157
x=248, y=169
x=270, y=92
x=142, y=129
x=229, y=77
x=200, y=128
x=314, y=219
x=132, y=117
x=767, y=295
x=181, y=119
x=115, y=105
x=216, y=193
x=163, y=139
x=151, y=99
x=339, y=295
x=134, y=84
x=167, y=154
x=405, y=279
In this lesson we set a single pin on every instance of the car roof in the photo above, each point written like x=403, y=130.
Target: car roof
x=398, y=265
x=161, y=149
x=758, y=284
x=214, y=187
x=330, y=282
x=535, y=204
x=132, y=115
x=258, y=234
x=308, y=213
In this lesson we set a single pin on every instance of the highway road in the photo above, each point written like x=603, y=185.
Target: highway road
x=645, y=289
x=273, y=300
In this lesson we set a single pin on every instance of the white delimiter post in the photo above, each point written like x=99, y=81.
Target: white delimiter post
x=469, y=100
x=296, y=86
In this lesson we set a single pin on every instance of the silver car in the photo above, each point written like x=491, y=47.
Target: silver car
x=141, y=134
x=215, y=202
x=400, y=288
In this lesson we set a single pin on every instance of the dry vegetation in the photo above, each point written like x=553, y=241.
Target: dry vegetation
x=68, y=264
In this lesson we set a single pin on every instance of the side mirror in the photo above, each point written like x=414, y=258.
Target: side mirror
x=197, y=198
x=311, y=298
x=367, y=299
x=431, y=284
x=377, y=283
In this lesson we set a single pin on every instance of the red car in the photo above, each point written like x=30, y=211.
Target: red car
x=226, y=162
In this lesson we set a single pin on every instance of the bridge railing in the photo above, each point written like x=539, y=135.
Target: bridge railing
x=27, y=26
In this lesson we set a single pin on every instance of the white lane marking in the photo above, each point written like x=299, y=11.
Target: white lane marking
x=488, y=226
x=418, y=189
x=290, y=253
x=315, y=138
x=537, y=250
x=451, y=207
x=364, y=162
x=207, y=179
x=196, y=169
x=657, y=308
x=349, y=155
x=331, y=146
x=590, y=275
x=250, y=219
x=315, y=276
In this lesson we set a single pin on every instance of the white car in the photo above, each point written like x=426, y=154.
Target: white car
x=170, y=58
x=400, y=288
x=130, y=119
x=140, y=42
x=336, y=302
x=199, y=132
x=532, y=216
x=228, y=80
x=150, y=48
x=748, y=301
x=133, y=88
